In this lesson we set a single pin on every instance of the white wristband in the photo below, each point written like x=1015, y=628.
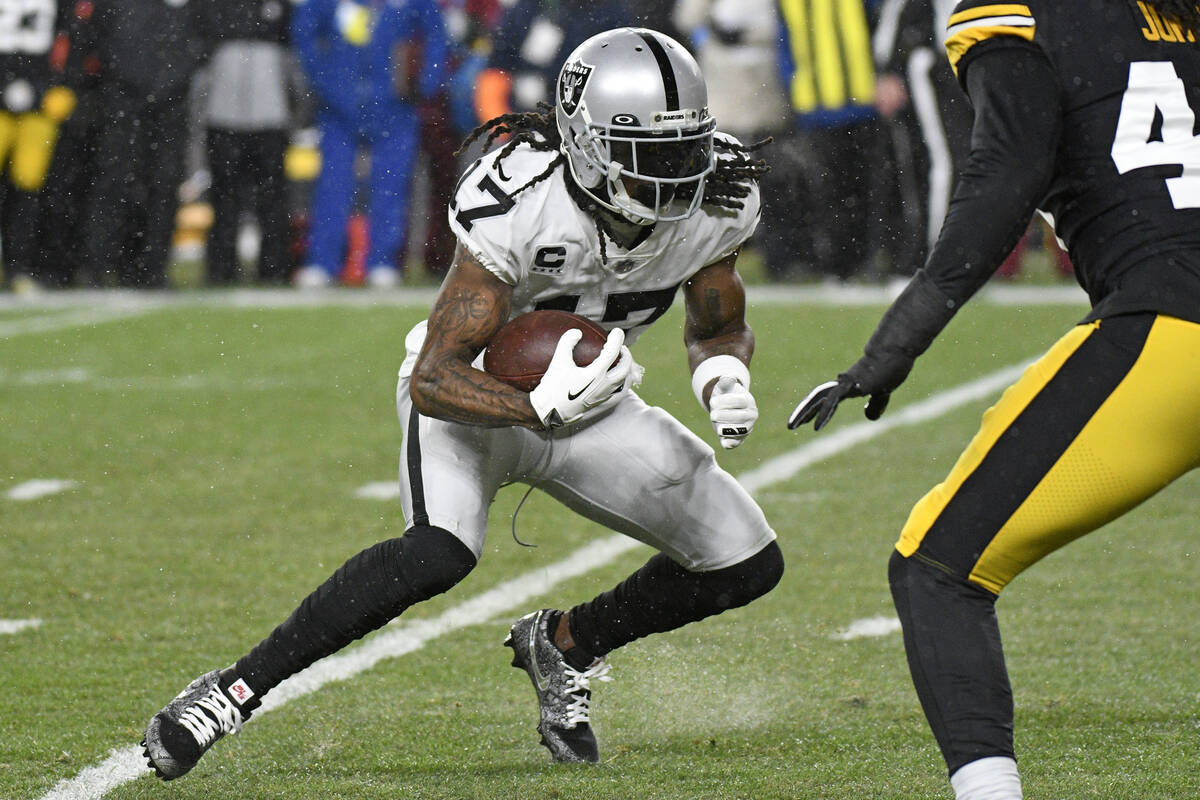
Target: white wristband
x=718, y=367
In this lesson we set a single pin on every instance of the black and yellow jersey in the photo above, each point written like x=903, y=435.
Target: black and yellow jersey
x=1123, y=176
x=29, y=32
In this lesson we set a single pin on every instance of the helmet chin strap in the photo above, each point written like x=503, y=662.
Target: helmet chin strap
x=625, y=205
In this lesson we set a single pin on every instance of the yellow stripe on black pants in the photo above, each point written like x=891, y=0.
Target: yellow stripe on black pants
x=1108, y=417
x=26, y=147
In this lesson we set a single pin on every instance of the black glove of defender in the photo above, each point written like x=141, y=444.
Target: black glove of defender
x=906, y=330
x=877, y=376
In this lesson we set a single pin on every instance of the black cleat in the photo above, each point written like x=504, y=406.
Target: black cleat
x=182, y=732
x=564, y=696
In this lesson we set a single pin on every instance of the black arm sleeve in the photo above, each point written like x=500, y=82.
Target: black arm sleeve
x=1014, y=139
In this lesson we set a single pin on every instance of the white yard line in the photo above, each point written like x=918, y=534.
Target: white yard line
x=126, y=764
x=9, y=626
x=378, y=490
x=46, y=377
x=63, y=320
x=825, y=445
x=868, y=627
x=132, y=301
x=35, y=489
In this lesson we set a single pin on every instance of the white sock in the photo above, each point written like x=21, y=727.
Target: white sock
x=992, y=778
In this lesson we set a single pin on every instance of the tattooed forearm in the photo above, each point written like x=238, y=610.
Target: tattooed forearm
x=470, y=308
x=465, y=394
x=462, y=310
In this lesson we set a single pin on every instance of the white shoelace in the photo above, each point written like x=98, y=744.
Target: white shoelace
x=212, y=716
x=577, y=684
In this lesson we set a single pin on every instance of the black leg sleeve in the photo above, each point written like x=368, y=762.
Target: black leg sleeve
x=952, y=640
x=663, y=596
x=367, y=592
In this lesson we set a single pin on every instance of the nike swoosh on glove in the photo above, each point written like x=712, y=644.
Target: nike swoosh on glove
x=567, y=391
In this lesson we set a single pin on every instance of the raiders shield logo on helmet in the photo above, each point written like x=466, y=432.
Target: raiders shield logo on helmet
x=570, y=85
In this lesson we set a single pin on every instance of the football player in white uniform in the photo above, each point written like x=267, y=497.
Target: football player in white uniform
x=606, y=206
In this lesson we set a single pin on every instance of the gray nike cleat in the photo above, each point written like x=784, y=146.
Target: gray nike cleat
x=182, y=732
x=564, y=696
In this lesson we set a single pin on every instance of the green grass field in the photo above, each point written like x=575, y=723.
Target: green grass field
x=216, y=448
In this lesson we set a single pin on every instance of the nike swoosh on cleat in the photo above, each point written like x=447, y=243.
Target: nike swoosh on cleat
x=542, y=681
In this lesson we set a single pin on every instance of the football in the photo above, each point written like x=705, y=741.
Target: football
x=521, y=350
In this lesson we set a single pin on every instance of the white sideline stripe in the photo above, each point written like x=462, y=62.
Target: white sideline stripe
x=784, y=466
x=73, y=318
x=123, y=765
x=35, y=489
x=401, y=639
x=17, y=625
x=379, y=490
x=41, y=377
x=103, y=304
x=126, y=764
x=76, y=308
x=869, y=626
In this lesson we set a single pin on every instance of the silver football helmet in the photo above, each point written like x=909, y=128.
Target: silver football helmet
x=632, y=112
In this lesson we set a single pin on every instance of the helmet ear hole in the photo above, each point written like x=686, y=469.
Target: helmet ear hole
x=585, y=157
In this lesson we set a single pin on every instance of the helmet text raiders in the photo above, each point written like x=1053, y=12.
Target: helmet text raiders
x=632, y=112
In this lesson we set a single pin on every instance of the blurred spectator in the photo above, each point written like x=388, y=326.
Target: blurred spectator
x=448, y=116
x=737, y=45
x=659, y=15
x=357, y=59
x=928, y=121
x=34, y=101
x=61, y=252
x=534, y=39
x=473, y=25
x=148, y=51
x=250, y=90
x=1039, y=238
x=827, y=67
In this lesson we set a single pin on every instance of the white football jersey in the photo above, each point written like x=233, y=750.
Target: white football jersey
x=548, y=249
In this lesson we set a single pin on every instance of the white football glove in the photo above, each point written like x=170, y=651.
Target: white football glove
x=731, y=407
x=732, y=410
x=567, y=391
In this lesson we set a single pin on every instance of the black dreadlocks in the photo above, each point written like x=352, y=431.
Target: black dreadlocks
x=1186, y=11
x=730, y=181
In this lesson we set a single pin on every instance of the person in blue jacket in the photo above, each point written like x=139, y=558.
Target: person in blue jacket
x=368, y=62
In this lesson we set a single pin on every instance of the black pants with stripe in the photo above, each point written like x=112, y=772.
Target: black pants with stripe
x=247, y=175
x=1108, y=417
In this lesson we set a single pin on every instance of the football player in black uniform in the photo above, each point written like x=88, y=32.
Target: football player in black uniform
x=34, y=101
x=1088, y=110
